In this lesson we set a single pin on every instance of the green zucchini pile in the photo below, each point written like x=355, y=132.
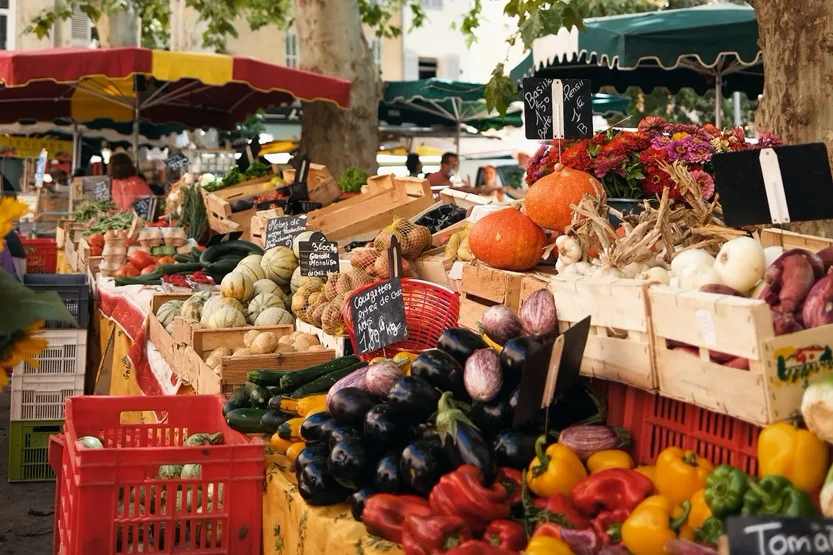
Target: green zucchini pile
x=216, y=261
x=254, y=408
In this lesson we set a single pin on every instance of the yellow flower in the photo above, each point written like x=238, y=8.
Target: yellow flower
x=680, y=135
x=4, y=379
x=11, y=210
x=25, y=347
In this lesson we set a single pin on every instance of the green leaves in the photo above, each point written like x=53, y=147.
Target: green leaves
x=500, y=91
x=26, y=307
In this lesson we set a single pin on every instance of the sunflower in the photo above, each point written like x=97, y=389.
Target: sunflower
x=11, y=210
x=22, y=346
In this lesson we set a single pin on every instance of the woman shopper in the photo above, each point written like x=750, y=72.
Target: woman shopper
x=126, y=186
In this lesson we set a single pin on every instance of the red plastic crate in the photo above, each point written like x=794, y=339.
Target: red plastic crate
x=41, y=255
x=111, y=501
x=657, y=422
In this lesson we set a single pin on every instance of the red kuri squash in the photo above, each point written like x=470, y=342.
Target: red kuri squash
x=548, y=200
x=507, y=239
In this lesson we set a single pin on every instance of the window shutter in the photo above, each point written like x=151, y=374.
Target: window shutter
x=451, y=67
x=81, y=29
x=411, y=70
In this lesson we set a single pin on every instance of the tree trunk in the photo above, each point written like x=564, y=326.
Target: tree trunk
x=331, y=41
x=796, y=39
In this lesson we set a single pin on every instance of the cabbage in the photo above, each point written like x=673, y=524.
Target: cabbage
x=191, y=471
x=817, y=408
x=204, y=439
x=170, y=471
x=826, y=496
x=91, y=442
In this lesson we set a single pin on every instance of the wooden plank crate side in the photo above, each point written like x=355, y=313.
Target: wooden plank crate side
x=771, y=237
x=497, y=286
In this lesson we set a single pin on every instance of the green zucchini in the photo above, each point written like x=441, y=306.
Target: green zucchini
x=271, y=421
x=195, y=254
x=246, y=420
x=299, y=377
x=258, y=395
x=153, y=278
x=167, y=269
x=215, y=253
x=183, y=258
x=325, y=382
x=224, y=265
x=239, y=399
x=267, y=377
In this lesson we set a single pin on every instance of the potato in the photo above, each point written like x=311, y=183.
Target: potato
x=213, y=361
x=284, y=348
x=242, y=352
x=313, y=339
x=264, y=343
x=295, y=334
x=286, y=340
x=317, y=348
x=302, y=344
x=220, y=352
x=249, y=338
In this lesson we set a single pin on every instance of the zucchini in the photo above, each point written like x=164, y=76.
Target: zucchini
x=258, y=395
x=271, y=421
x=153, y=278
x=246, y=421
x=298, y=378
x=239, y=399
x=291, y=429
x=267, y=377
x=212, y=254
x=224, y=265
x=298, y=407
x=183, y=258
x=325, y=382
x=167, y=269
x=195, y=254
x=280, y=445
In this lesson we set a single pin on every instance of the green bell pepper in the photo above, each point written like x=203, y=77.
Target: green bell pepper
x=710, y=531
x=776, y=495
x=725, y=488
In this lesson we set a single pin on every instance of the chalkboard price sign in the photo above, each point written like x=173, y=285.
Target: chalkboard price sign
x=771, y=535
x=319, y=257
x=94, y=185
x=102, y=190
x=557, y=109
x=147, y=208
x=177, y=162
x=282, y=230
x=378, y=315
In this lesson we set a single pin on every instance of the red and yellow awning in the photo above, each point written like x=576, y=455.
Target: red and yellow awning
x=198, y=90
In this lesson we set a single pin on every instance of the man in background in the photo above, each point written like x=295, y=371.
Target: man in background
x=449, y=165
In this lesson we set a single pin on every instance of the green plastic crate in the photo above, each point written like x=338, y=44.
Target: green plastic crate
x=28, y=450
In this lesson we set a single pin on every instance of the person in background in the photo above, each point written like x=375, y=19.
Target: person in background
x=126, y=186
x=489, y=177
x=249, y=154
x=449, y=164
x=413, y=164
x=13, y=257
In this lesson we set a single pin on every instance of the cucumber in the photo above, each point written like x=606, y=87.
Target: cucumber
x=299, y=377
x=246, y=421
x=271, y=421
x=267, y=377
x=239, y=399
x=167, y=269
x=258, y=395
x=325, y=382
x=212, y=254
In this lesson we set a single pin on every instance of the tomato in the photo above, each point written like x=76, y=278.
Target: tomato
x=128, y=270
x=149, y=269
x=140, y=259
x=96, y=240
x=95, y=251
x=166, y=260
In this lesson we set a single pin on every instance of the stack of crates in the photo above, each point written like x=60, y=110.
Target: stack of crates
x=38, y=393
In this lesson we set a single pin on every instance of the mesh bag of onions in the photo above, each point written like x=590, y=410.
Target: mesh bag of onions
x=413, y=239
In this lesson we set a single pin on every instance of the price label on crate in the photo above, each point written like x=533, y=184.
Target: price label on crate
x=771, y=535
x=319, y=257
x=177, y=162
x=282, y=230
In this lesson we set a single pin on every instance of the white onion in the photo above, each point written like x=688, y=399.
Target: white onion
x=689, y=257
x=741, y=263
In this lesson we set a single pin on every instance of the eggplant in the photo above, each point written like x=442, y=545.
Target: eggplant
x=413, y=399
x=357, y=501
x=343, y=432
x=513, y=449
x=513, y=358
x=441, y=370
x=350, y=405
x=381, y=426
x=311, y=426
x=462, y=441
x=387, y=478
x=460, y=343
x=326, y=428
x=580, y=405
x=422, y=465
x=318, y=486
x=492, y=417
x=350, y=462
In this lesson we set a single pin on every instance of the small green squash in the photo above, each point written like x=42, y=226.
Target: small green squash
x=274, y=316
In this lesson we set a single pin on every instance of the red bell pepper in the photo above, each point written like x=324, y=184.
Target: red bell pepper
x=462, y=493
x=559, y=509
x=512, y=479
x=384, y=514
x=433, y=535
x=608, y=526
x=506, y=533
x=611, y=489
x=477, y=547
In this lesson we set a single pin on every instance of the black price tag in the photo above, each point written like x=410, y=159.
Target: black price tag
x=557, y=108
x=148, y=208
x=282, y=230
x=319, y=257
x=774, y=535
x=551, y=371
x=102, y=190
x=177, y=162
x=378, y=315
x=774, y=185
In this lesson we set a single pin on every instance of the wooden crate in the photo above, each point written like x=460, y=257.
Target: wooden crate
x=321, y=185
x=468, y=200
x=482, y=287
x=340, y=344
x=780, y=368
x=387, y=196
x=218, y=205
x=68, y=230
x=163, y=340
x=433, y=266
x=257, y=228
x=620, y=345
x=773, y=237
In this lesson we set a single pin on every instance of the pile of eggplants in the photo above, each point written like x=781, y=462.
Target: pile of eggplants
x=366, y=443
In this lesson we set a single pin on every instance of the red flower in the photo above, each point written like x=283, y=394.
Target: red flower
x=576, y=157
x=652, y=124
x=711, y=130
x=635, y=141
x=598, y=139
x=609, y=163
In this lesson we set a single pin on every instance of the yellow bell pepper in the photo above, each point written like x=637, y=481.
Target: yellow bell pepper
x=609, y=458
x=653, y=522
x=796, y=454
x=556, y=471
x=700, y=510
x=680, y=474
x=279, y=444
x=547, y=545
x=648, y=470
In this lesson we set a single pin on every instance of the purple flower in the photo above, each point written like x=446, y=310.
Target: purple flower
x=605, y=164
x=688, y=149
x=705, y=181
x=659, y=142
x=539, y=154
x=768, y=140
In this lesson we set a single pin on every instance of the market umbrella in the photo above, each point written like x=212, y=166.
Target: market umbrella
x=133, y=84
x=713, y=46
x=430, y=102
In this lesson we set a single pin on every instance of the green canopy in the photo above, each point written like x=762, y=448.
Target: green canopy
x=713, y=46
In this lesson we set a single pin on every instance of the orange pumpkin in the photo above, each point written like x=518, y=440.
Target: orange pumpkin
x=507, y=239
x=548, y=200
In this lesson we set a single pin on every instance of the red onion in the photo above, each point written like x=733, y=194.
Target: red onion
x=784, y=323
x=720, y=289
x=538, y=315
x=500, y=324
x=818, y=307
x=738, y=362
x=685, y=547
x=797, y=279
x=773, y=273
x=581, y=542
x=719, y=357
x=826, y=257
x=482, y=375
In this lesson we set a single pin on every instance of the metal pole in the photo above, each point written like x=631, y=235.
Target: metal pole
x=718, y=97
x=136, y=132
x=75, y=149
x=736, y=106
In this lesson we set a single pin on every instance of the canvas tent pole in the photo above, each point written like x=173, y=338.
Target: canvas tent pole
x=76, y=148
